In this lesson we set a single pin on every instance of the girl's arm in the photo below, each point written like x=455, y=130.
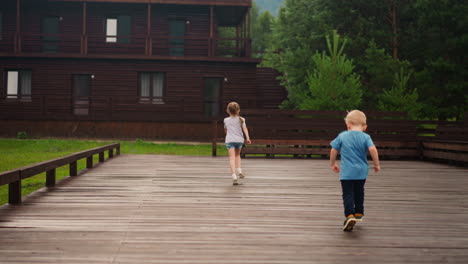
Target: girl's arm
x=375, y=157
x=246, y=133
x=333, y=154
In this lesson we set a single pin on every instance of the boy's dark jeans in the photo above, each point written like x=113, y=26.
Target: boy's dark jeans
x=353, y=196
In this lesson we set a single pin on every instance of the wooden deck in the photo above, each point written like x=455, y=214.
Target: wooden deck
x=172, y=209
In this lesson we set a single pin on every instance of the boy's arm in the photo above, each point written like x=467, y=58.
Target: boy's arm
x=246, y=133
x=333, y=154
x=375, y=157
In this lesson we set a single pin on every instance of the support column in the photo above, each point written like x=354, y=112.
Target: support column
x=18, y=28
x=14, y=192
x=249, y=33
x=149, y=40
x=211, y=45
x=84, y=36
x=50, y=178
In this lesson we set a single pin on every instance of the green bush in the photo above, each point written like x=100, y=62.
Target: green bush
x=22, y=135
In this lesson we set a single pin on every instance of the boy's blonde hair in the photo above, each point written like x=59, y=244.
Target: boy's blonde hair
x=356, y=118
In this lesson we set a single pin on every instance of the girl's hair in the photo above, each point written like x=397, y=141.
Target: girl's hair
x=356, y=117
x=234, y=109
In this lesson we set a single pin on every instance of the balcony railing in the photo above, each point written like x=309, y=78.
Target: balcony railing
x=163, y=46
x=117, y=108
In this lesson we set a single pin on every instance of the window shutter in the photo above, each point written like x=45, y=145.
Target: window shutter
x=25, y=83
x=124, y=29
x=145, y=84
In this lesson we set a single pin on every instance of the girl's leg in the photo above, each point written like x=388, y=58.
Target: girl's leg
x=238, y=158
x=232, y=160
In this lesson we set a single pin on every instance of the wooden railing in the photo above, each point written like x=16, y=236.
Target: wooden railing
x=308, y=133
x=117, y=108
x=14, y=177
x=133, y=45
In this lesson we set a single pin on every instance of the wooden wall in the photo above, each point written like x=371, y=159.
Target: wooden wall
x=71, y=27
x=269, y=88
x=117, y=80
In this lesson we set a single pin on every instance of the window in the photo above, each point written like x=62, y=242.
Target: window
x=19, y=84
x=212, y=96
x=118, y=29
x=81, y=93
x=177, y=44
x=152, y=87
x=50, y=31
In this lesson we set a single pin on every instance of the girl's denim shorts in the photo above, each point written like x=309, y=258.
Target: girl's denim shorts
x=237, y=145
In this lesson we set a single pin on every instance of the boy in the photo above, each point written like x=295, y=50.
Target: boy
x=353, y=146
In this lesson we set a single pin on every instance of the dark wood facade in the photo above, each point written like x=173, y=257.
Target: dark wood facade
x=57, y=42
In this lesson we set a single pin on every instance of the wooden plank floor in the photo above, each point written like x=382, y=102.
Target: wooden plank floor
x=174, y=209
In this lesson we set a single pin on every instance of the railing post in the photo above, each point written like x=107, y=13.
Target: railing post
x=215, y=138
x=117, y=150
x=101, y=156
x=50, y=178
x=89, y=162
x=111, y=153
x=211, y=46
x=73, y=168
x=14, y=192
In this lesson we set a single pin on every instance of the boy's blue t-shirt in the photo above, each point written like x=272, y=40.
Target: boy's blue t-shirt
x=353, y=147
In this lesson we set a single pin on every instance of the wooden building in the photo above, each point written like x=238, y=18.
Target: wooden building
x=126, y=68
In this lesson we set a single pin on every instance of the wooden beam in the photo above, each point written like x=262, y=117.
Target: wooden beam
x=84, y=37
x=14, y=192
x=73, y=168
x=215, y=139
x=18, y=27
x=89, y=162
x=50, y=178
x=149, y=44
x=211, y=44
x=230, y=3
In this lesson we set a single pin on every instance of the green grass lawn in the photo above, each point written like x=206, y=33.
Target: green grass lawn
x=16, y=153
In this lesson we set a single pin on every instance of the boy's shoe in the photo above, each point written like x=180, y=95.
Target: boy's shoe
x=241, y=175
x=349, y=223
x=359, y=217
x=235, y=182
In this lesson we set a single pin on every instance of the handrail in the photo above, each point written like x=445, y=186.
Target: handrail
x=135, y=44
x=14, y=177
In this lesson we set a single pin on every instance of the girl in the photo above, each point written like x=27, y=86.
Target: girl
x=235, y=129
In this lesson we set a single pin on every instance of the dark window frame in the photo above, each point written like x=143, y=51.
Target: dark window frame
x=51, y=40
x=174, y=51
x=118, y=39
x=151, y=98
x=206, y=102
x=76, y=100
x=19, y=96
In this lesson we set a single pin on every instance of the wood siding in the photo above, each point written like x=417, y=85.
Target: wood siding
x=269, y=89
x=72, y=38
x=115, y=91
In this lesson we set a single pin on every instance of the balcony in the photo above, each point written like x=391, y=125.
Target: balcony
x=42, y=45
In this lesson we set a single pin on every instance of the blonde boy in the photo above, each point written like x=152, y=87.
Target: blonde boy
x=353, y=145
